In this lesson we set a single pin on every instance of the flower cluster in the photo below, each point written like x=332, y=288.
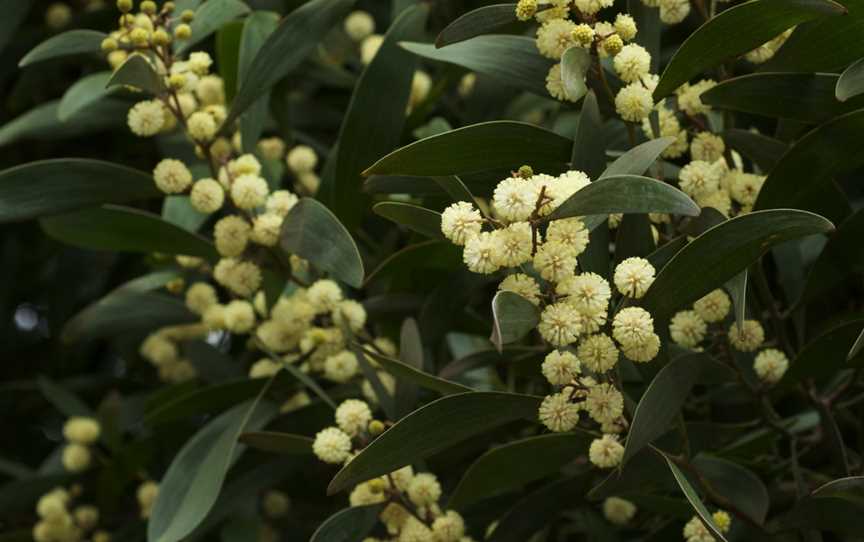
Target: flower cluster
x=695, y=530
x=80, y=433
x=62, y=520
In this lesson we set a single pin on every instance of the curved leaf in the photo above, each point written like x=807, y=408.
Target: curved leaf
x=513, y=317
x=478, y=147
x=432, y=429
x=637, y=160
x=256, y=29
x=764, y=151
x=72, y=42
x=695, y=501
x=137, y=72
x=851, y=82
x=825, y=355
x=512, y=60
x=348, y=525
x=280, y=443
x=589, y=147
x=413, y=217
x=312, y=232
x=209, y=18
x=55, y=186
x=575, y=63
x=735, y=31
x=737, y=484
x=722, y=252
x=84, y=92
x=840, y=259
x=42, y=121
x=402, y=371
x=203, y=401
x=477, y=22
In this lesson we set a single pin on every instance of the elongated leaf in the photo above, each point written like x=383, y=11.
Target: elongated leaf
x=851, y=82
x=209, y=400
x=538, y=509
x=695, y=501
x=513, y=317
x=124, y=229
x=434, y=428
x=401, y=370
x=192, y=483
x=139, y=73
x=287, y=46
x=348, y=525
x=478, y=147
x=637, y=160
x=736, y=483
x=589, y=147
x=256, y=29
x=477, y=22
x=574, y=67
x=722, y=252
x=73, y=42
x=209, y=18
x=857, y=347
x=455, y=188
x=312, y=232
x=66, y=402
x=805, y=97
x=83, y=93
x=802, y=179
x=492, y=474
x=413, y=217
x=512, y=60
x=626, y=194
x=735, y=31
x=380, y=98
x=764, y=151
x=839, y=260
x=280, y=443
x=50, y=187
x=825, y=355
x=42, y=121
x=228, y=56
x=737, y=288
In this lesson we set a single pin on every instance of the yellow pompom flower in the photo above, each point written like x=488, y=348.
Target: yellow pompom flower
x=714, y=306
x=249, y=191
x=747, y=338
x=522, y=284
x=207, y=196
x=770, y=365
x=560, y=367
x=687, y=329
x=606, y=452
x=146, y=118
x=231, y=235
x=598, y=353
x=172, y=176
x=560, y=324
x=81, y=430
x=634, y=276
x=332, y=445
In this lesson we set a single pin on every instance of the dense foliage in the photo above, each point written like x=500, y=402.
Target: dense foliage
x=409, y=271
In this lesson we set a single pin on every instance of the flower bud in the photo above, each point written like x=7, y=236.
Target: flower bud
x=148, y=7
x=183, y=32
x=376, y=427
x=613, y=44
x=161, y=38
x=187, y=16
x=109, y=44
x=125, y=6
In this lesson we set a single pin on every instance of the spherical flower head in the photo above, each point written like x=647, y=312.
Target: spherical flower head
x=359, y=25
x=634, y=102
x=695, y=531
x=200, y=296
x=301, y=159
x=699, y=178
x=625, y=25
x=560, y=367
x=583, y=35
x=352, y=416
x=719, y=200
x=689, y=99
x=158, y=350
x=57, y=15
x=604, y=403
x=606, y=452
x=632, y=326
x=201, y=126
x=687, y=329
x=548, y=185
x=634, y=276
x=557, y=413
x=172, y=176
x=567, y=184
x=644, y=351
x=555, y=261
x=266, y=229
x=555, y=83
x=281, y=202
x=52, y=506
x=207, y=196
x=744, y=188
x=146, y=495
x=770, y=365
x=76, y=457
x=341, y=367
x=748, y=337
x=449, y=527
x=249, y=191
x=515, y=241
x=590, y=7
x=146, y=118
x=674, y=11
x=350, y=313
x=522, y=284
x=598, y=353
x=275, y=504
x=586, y=292
x=231, y=235
x=272, y=148
x=81, y=430
x=366, y=493
x=707, y=147
x=515, y=199
x=632, y=62
x=200, y=62
x=369, y=47
x=554, y=37
x=421, y=84
x=618, y=511
x=481, y=254
x=214, y=317
x=210, y=90
x=714, y=306
x=424, y=489
x=460, y=222
x=332, y=445
x=570, y=232
x=241, y=277
x=239, y=316
x=525, y=9
x=560, y=324
x=612, y=45
x=324, y=294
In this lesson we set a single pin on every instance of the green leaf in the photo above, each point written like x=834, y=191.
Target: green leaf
x=695, y=501
x=589, y=147
x=73, y=42
x=857, y=347
x=735, y=483
x=402, y=371
x=279, y=443
x=312, y=232
x=477, y=22
x=66, y=402
x=626, y=194
x=737, y=288
x=228, y=56
x=379, y=99
x=839, y=260
x=513, y=317
x=851, y=82
x=123, y=229
x=493, y=473
x=287, y=46
x=179, y=211
x=42, y=122
x=637, y=160
x=83, y=93
x=662, y=401
x=824, y=356
x=256, y=30
x=348, y=525
x=736, y=31
x=803, y=176
x=722, y=252
x=139, y=73
x=512, y=60
x=455, y=188
x=204, y=401
x=805, y=97
x=413, y=217
x=432, y=429
x=478, y=147
x=764, y=151
x=193, y=481
x=49, y=187
x=835, y=506
x=538, y=509
x=209, y=18
x=575, y=63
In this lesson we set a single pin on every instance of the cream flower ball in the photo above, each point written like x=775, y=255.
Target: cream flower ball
x=81, y=430
x=76, y=457
x=341, y=367
x=606, y=452
x=644, y=351
x=172, y=176
x=555, y=261
x=324, y=295
x=207, y=196
x=585, y=292
x=281, y=202
x=714, y=306
x=264, y=368
x=590, y=7
x=200, y=296
x=359, y=25
x=266, y=229
x=687, y=329
x=689, y=97
x=515, y=241
x=560, y=367
x=353, y=416
x=369, y=47
x=632, y=62
x=557, y=413
x=424, y=489
x=202, y=126
x=634, y=276
x=351, y=313
x=634, y=102
x=522, y=284
x=632, y=326
x=554, y=37
x=604, y=403
x=625, y=25
x=146, y=495
x=481, y=254
x=618, y=511
x=449, y=527
x=770, y=365
x=598, y=352
x=560, y=324
x=674, y=11
x=239, y=316
x=332, y=445
x=241, y=277
x=707, y=147
x=555, y=83
x=146, y=118
x=748, y=338
x=515, y=199
x=231, y=235
x=699, y=178
x=249, y=191
x=570, y=232
x=460, y=222
x=301, y=159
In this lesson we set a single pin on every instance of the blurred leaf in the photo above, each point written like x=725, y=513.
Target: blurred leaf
x=511, y=60
x=348, y=525
x=589, y=148
x=402, y=371
x=209, y=18
x=179, y=211
x=84, y=92
x=256, y=30
x=192, y=483
x=280, y=443
x=139, y=73
x=857, y=347
x=206, y=400
x=413, y=217
x=42, y=121
x=426, y=254
x=637, y=160
x=737, y=288
x=825, y=355
x=228, y=56
x=626, y=194
x=513, y=317
x=434, y=428
x=477, y=22
x=839, y=260
x=455, y=188
x=851, y=82
x=380, y=99
x=66, y=402
x=575, y=63
x=538, y=509
x=383, y=395
x=721, y=253
x=650, y=27
x=73, y=42
x=14, y=15
x=478, y=147
x=493, y=473
x=694, y=500
x=55, y=186
x=412, y=356
x=312, y=232
x=124, y=229
x=764, y=151
x=735, y=483
x=292, y=41
x=735, y=31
